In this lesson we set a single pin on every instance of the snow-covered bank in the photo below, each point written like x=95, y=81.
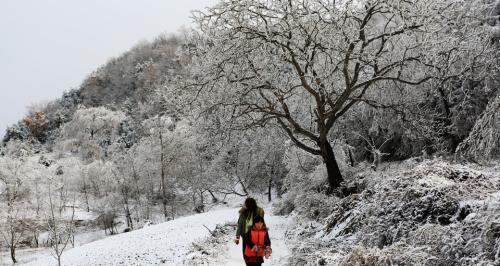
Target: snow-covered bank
x=416, y=212
x=162, y=244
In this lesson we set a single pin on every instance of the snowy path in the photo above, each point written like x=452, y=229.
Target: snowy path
x=162, y=244
x=277, y=227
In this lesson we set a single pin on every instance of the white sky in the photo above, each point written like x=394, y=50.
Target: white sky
x=49, y=46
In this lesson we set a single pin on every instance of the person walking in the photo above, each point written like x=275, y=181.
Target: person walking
x=245, y=221
x=257, y=243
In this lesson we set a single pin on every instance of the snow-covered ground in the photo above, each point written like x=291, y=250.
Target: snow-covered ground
x=25, y=255
x=169, y=243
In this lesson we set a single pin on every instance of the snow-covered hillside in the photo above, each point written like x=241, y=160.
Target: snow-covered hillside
x=168, y=243
x=416, y=212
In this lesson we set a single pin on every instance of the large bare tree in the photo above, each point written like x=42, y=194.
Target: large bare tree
x=303, y=64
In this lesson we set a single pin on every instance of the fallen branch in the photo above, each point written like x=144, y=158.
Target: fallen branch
x=211, y=232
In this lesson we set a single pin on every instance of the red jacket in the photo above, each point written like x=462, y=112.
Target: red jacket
x=259, y=238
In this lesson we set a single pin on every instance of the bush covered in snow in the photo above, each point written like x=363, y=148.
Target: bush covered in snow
x=207, y=251
x=429, y=213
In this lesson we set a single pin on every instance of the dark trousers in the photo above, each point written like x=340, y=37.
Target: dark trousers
x=253, y=261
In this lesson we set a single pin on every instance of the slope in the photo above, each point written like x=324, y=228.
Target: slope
x=168, y=243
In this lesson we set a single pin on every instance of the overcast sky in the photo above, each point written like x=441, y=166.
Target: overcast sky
x=49, y=46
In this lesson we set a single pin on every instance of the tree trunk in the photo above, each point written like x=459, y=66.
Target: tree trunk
x=149, y=195
x=128, y=215
x=86, y=195
x=13, y=254
x=62, y=201
x=270, y=185
x=332, y=168
x=446, y=108
x=12, y=244
x=37, y=199
x=35, y=239
x=138, y=192
x=163, y=189
x=214, y=198
x=172, y=207
x=243, y=187
x=352, y=160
